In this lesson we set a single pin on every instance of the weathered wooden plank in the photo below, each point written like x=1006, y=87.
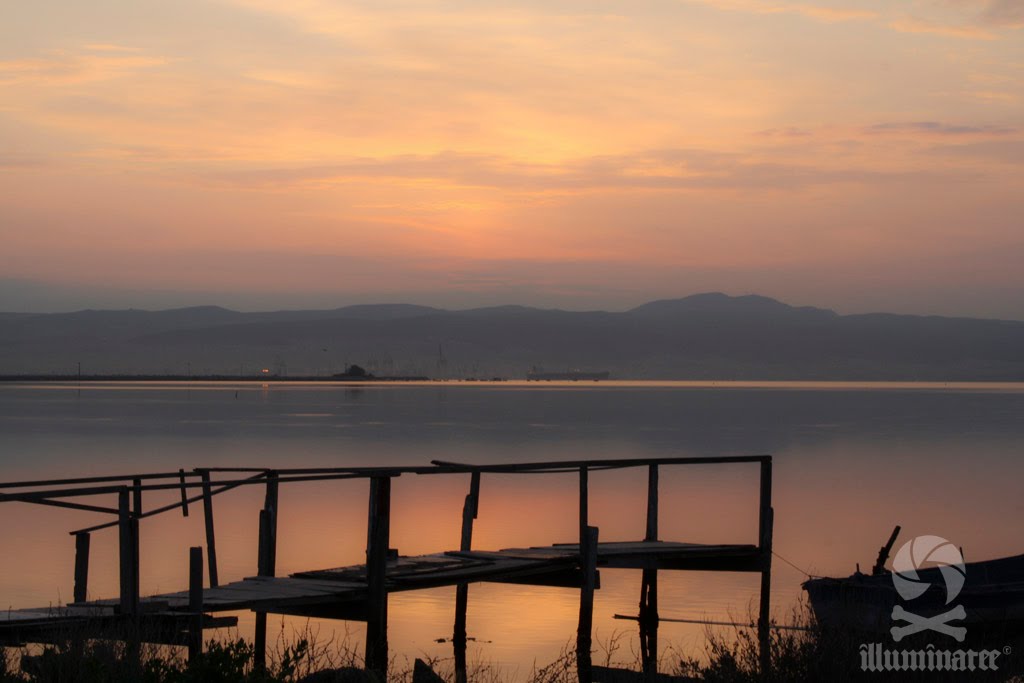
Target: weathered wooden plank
x=272, y=591
x=87, y=480
x=239, y=592
x=23, y=616
x=114, y=605
x=279, y=587
x=540, y=566
x=325, y=584
x=258, y=603
x=572, y=465
x=72, y=506
x=629, y=547
x=514, y=554
x=402, y=569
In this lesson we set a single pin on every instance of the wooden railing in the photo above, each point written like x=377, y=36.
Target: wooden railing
x=203, y=484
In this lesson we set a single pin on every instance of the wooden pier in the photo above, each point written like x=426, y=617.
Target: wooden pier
x=361, y=592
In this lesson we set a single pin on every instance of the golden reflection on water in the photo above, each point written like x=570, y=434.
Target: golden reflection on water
x=323, y=524
x=826, y=527
x=838, y=491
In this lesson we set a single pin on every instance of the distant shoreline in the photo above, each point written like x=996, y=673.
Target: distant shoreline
x=185, y=381
x=207, y=378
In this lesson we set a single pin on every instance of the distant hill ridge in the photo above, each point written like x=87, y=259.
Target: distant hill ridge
x=704, y=336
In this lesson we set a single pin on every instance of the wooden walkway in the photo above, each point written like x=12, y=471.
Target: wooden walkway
x=345, y=589
x=361, y=592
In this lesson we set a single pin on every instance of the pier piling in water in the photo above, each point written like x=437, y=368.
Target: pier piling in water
x=211, y=539
x=195, y=602
x=378, y=538
x=766, y=525
x=266, y=562
x=584, y=631
x=128, y=530
x=361, y=592
x=470, y=510
x=82, y=541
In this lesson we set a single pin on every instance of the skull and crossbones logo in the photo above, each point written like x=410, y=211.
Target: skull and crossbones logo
x=914, y=555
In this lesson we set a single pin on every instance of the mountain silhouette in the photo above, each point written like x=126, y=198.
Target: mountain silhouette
x=704, y=336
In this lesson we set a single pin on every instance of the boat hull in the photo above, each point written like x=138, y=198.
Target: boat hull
x=992, y=596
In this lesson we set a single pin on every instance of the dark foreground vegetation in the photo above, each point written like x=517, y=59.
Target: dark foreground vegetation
x=730, y=656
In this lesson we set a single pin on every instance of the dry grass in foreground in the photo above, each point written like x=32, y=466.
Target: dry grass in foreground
x=731, y=656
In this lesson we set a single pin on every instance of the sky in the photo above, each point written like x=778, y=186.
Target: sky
x=860, y=155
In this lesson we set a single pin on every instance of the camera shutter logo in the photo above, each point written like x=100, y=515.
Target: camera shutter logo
x=916, y=554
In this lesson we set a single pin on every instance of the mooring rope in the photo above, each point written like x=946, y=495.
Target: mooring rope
x=802, y=571
x=713, y=622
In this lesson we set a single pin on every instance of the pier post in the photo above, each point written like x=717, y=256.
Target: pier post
x=136, y=540
x=648, y=620
x=266, y=563
x=470, y=510
x=260, y=636
x=81, y=566
x=211, y=539
x=459, y=638
x=128, y=556
x=648, y=615
x=129, y=579
x=270, y=505
x=584, y=508
x=586, y=624
x=378, y=538
x=184, y=493
x=195, y=603
x=652, y=504
x=766, y=523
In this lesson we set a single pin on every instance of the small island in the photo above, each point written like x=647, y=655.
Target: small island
x=356, y=373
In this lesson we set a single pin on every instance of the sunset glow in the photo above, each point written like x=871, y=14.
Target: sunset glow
x=260, y=154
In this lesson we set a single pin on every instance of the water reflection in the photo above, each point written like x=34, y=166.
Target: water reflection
x=850, y=462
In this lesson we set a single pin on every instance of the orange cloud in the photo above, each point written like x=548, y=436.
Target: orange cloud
x=910, y=25
x=819, y=12
x=60, y=68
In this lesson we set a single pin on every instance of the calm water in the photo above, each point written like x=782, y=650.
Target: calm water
x=850, y=462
